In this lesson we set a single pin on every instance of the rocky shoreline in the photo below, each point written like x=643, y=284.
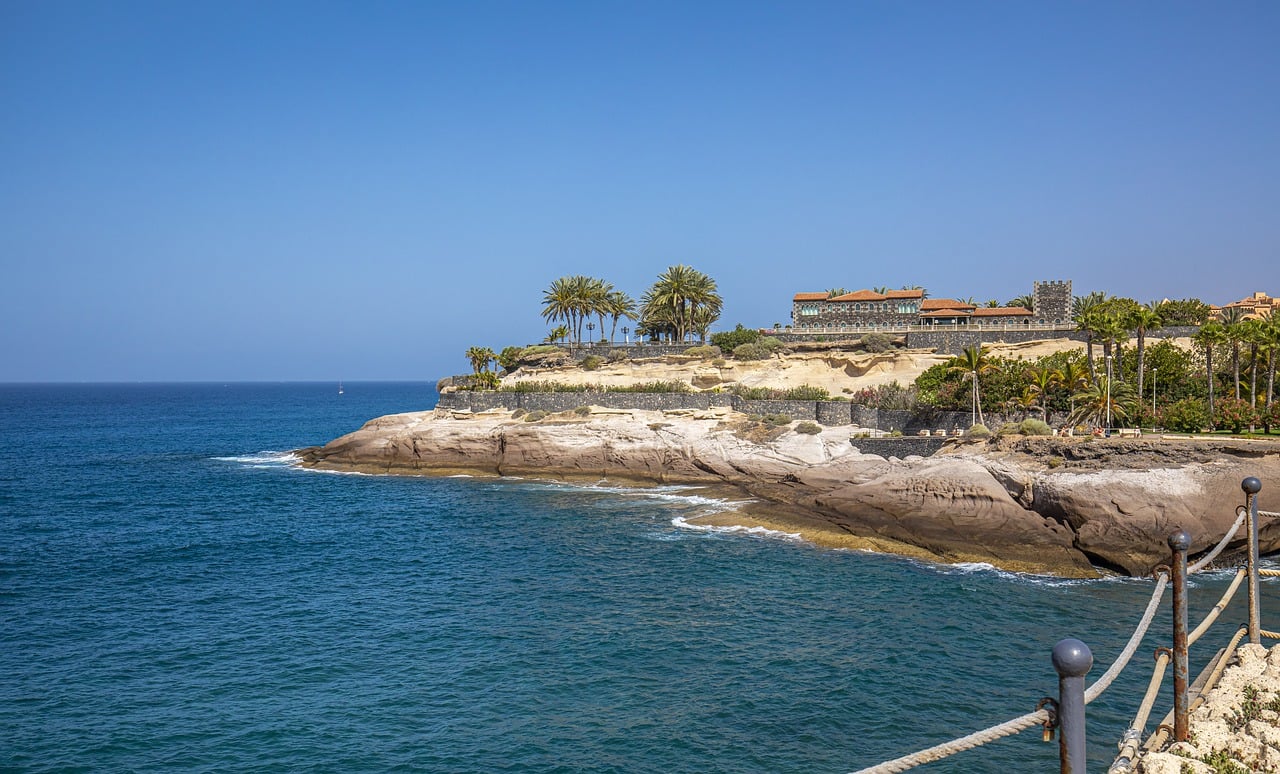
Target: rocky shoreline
x=1072, y=507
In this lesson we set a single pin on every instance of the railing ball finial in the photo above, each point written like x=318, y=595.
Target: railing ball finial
x=1251, y=485
x=1180, y=540
x=1072, y=658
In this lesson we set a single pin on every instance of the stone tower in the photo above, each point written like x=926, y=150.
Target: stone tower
x=1051, y=301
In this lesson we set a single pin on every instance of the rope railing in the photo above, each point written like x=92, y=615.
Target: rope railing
x=1241, y=513
x=1132, y=738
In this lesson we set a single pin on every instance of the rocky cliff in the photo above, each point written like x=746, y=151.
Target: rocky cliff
x=1069, y=507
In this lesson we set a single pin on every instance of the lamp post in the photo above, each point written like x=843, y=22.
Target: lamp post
x=1108, y=396
x=1153, y=397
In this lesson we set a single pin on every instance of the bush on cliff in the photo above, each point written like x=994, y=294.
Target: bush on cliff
x=1034, y=427
x=705, y=352
x=1189, y=415
x=977, y=431
x=591, y=362
x=751, y=352
x=877, y=342
x=808, y=428
x=728, y=341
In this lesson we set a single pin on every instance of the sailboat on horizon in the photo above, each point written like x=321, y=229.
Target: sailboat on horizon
x=340, y=391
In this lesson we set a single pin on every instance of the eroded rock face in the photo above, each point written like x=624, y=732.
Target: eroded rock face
x=993, y=504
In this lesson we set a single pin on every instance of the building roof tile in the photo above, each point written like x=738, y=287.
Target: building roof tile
x=916, y=293
x=933, y=304
x=1001, y=311
x=860, y=295
x=810, y=297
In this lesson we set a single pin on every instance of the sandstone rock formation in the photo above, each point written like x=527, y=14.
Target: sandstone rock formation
x=1060, y=506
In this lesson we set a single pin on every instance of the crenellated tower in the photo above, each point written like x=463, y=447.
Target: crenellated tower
x=1051, y=301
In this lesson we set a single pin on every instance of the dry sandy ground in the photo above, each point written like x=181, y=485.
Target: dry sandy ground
x=839, y=371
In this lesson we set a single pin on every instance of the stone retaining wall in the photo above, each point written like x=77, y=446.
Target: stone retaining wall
x=898, y=447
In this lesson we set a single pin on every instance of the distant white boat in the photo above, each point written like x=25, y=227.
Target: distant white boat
x=339, y=388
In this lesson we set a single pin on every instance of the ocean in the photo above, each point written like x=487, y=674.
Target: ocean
x=177, y=596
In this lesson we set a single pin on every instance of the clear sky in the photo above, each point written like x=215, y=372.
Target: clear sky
x=275, y=190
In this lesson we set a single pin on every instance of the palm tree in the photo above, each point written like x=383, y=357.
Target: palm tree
x=973, y=363
x=1073, y=377
x=993, y=303
x=1271, y=337
x=1210, y=335
x=674, y=298
x=559, y=302
x=1026, y=302
x=1085, y=314
x=1232, y=326
x=1092, y=402
x=1027, y=401
x=1040, y=382
x=558, y=333
x=480, y=358
x=1143, y=319
x=1253, y=334
x=620, y=305
x=833, y=292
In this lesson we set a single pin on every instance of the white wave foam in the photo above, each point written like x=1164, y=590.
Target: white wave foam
x=682, y=523
x=264, y=459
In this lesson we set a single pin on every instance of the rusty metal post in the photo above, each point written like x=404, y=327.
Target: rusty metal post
x=1251, y=487
x=1072, y=660
x=1180, y=541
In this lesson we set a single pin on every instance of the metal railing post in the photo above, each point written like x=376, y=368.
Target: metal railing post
x=1180, y=541
x=1251, y=487
x=1072, y=660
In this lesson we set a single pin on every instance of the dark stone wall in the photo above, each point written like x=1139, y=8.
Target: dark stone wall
x=954, y=342
x=898, y=447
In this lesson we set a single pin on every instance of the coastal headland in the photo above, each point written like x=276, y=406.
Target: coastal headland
x=1073, y=507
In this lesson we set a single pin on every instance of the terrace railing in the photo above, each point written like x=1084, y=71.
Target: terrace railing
x=1072, y=660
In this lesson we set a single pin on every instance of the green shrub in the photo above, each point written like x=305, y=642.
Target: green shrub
x=534, y=416
x=753, y=393
x=518, y=413
x=809, y=428
x=704, y=351
x=895, y=433
x=582, y=411
x=806, y=392
x=591, y=362
x=777, y=420
x=1034, y=427
x=618, y=356
x=877, y=342
x=1009, y=428
x=771, y=343
x=728, y=341
x=977, y=431
x=544, y=386
x=751, y=352
x=1189, y=415
x=1233, y=415
x=652, y=387
x=719, y=362
x=1054, y=462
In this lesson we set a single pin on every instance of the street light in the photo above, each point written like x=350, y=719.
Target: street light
x=1153, y=396
x=1108, y=396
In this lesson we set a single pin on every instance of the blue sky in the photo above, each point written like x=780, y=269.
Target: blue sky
x=248, y=190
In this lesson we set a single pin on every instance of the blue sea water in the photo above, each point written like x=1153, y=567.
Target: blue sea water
x=175, y=596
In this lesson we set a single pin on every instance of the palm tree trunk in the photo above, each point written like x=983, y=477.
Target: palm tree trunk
x=1253, y=375
x=977, y=399
x=1142, y=341
x=1093, y=371
x=1208, y=366
x=1271, y=376
x=1235, y=365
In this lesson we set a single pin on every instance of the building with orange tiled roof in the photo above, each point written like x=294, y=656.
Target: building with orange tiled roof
x=863, y=309
x=1257, y=305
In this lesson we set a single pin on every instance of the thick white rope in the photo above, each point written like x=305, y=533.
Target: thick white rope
x=976, y=739
x=1217, y=609
x=1204, y=561
x=1095, y=690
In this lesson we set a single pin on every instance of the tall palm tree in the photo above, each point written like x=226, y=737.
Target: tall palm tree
x=620, y=305
x=1085, y=314
x=1073, y=377
x=1143, y=319
x=558, y=333
x=1271, y=337
x=675, y=297
x=1233, y=327
x=559, y=302
x=833, y=292
x=1210, y=335
x=480, y=358
x=973, y=363
x=1026, y=302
